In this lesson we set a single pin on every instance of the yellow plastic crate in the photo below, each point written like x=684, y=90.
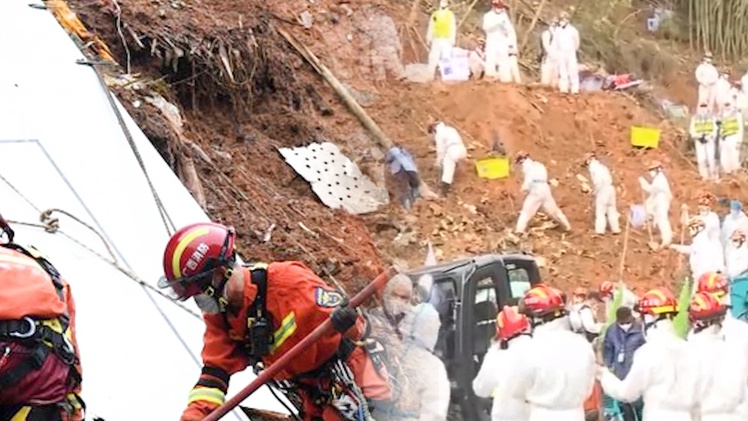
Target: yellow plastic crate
x=492, y=168
x=645, y=137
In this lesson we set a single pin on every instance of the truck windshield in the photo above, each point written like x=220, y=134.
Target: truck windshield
x=519, y=281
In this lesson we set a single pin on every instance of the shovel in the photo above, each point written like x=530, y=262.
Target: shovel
x=638, y=218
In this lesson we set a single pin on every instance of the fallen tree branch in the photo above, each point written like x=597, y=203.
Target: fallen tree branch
x=465, y=16
x=534, y=22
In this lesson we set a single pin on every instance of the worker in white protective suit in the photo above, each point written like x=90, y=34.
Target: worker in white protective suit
x=703, y=131
x=549, y=55
x=744, y=83
x=441, y=35
x=730, y=138
x=514, y=340
x=582, y=317
x=606, y=212
x=501, y=40
x=723, y=375
x=707, y=76
x=710, y=218
x=734, y=331
x=557, y=373
x=477, y=59
x=657, y=203
x=735, y=220
x=664, y=371
x=722, y=88
x=397, y=302
x=539, y=196
x=566, y=40
x=449, y=151
x=428, y=385
x=704, y=254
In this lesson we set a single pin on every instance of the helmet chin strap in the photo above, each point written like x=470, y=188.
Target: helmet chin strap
x=217, y=292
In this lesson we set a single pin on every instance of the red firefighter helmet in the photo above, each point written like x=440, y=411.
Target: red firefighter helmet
x=705, y=307
x=606, y=288
x=542, y=300
x=510, y=323
x=712, y=283
x=706, y=200
x=657, y=301
x=193, y=254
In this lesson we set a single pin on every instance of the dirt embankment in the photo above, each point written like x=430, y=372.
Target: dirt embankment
x=244, y=92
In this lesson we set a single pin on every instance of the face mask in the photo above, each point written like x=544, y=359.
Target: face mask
x=625, y=326
x=396, y=307
x=652, y=174
x=735, y=213
x=207, y=304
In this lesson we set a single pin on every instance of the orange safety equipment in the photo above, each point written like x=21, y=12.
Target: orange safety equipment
x=510, y=324
x=192, y=256
x=696, y=225
x=738, y=236
x=656, y=302
x=295, y=301
x=712, y=283
x=542, y=301
x=521, y=156
x=706, y=200
x=706, y=307
x=606, y=288
x=40, y=370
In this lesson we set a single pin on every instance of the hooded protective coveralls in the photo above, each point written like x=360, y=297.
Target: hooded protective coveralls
x=556, y=375
x=703, y=131
x=704, y=254
x=722, y=91
x=496, y=372
x=566, y=38
x=657, y=203
x=449, y=150
x=731, y=139
x=735, y=220
x=723, y=379
x=582, y=320
x=707, y=76
x=429, y=388
x=441, y=35
x=665, y=373
x=549, y=59
x=736, y=255
x=501, y=40
x=539, y=196
x=711, y=224
x=605, y=197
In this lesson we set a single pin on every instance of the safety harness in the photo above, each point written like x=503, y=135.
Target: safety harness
x=42, y=337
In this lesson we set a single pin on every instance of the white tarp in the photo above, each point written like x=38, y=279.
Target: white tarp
x=61, y=147
x=336, y=180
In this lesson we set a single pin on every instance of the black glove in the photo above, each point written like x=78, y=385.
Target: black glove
x=343, y=318
x=5, y=229
x=702, y=139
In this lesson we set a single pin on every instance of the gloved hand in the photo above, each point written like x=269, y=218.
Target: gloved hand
x=343, y=318
x=346, y=405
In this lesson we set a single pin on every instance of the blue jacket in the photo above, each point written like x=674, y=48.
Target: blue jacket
x=619, y=347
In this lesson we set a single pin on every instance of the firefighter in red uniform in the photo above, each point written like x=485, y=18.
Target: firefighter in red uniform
x=40, y=373
x=254, y=314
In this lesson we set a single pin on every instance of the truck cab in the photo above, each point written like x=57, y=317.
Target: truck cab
x=468, y=294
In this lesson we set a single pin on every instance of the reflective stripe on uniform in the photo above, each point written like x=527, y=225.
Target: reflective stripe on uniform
x=207, y=394
x=22, y=414
x=730, y=126
x=704, y=127
x=287, y=328
x=188, y=238
x=443, y=20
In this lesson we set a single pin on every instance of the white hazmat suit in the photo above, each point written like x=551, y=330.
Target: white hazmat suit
x=549, y=63
x=707, y=76
x=429, y=385
x=664, y=373
x=582, y=320
x=736, y=260
x=703, y=131
x=449, y=150
x=566, y=38
x=657, y=203
x=441, y=36
x=731, y=139
x=535, y=183
x=605, y=198
x=711, y=225
x=497, y=374
x=736, y=334
x=704, y=255
x=501, y=38
x=722, y=92
x=734, y=221
x=557, y=374
x=723, y=379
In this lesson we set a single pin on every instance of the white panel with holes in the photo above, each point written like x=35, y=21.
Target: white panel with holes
x=336, y=180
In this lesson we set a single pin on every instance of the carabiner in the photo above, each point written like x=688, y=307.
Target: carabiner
x=29, y=333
